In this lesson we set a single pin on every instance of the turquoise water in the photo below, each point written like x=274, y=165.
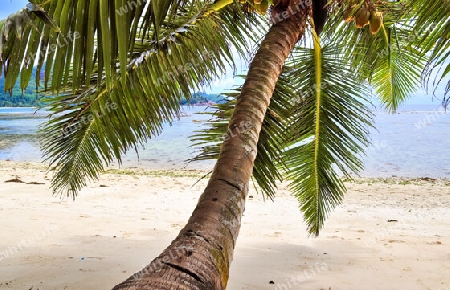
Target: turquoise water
x=170, y=150
x=18, y=129
x=412, y=143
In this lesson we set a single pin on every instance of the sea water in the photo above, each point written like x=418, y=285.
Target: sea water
x=413, y=142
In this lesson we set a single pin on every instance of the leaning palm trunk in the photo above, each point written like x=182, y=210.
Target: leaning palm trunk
x=200, y=257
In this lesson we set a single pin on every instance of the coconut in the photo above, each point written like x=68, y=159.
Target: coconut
x=375, y=21
x=362, y=17
x=263, y=7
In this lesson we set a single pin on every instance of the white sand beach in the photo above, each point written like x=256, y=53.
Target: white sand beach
x=388, y=234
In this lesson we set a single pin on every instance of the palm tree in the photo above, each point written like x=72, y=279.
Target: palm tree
x=117, y=70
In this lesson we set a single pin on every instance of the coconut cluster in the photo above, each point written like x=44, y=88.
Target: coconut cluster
x=363, y=13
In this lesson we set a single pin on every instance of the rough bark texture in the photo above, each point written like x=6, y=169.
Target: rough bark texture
x=200, y=257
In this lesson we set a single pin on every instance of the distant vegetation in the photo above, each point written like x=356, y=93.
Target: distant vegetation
x=203, y=99
x=29, y=98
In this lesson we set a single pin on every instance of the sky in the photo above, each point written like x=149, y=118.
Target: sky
x=10, y=6
x=228, y=81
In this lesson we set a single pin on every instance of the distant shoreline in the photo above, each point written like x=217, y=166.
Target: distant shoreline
x=407, y=144
x=142, y=171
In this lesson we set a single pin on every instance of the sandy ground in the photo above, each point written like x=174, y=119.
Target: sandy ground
x=391, y=234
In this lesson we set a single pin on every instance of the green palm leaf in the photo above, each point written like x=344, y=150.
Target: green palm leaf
x=397, y=69
x=317, y=122
x=85, y=133
x=329, y=131
x=390, y=59
x=433, y=29
x=268, y=167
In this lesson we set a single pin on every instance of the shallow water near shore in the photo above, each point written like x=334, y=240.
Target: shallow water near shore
x=411, y=143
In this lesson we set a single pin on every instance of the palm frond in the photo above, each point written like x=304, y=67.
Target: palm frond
x=397, y=69
x=210, y=138
x=188, y=52
x=432, y=23
x=268, y=167
x=389, y=60
x=328, y=133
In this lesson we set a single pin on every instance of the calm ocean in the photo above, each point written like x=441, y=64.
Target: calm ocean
x=412, y=143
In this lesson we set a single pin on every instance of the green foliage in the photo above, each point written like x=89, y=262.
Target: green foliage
x=119, y=72
x=315, y=129
x=29, y=97
x=433, y=28
x=119, y=91
x=389, y=60
x=269, y=164
x=18, y=98
x=329, y=132
x=202, y=99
